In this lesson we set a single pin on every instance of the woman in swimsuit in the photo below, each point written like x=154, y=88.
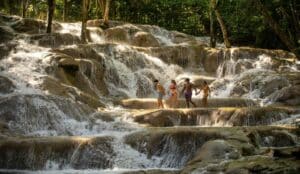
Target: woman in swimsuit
x=173, y=94
x=160, y=93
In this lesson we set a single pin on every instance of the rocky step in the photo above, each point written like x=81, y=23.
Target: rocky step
x=172, y=147
x=36, y=153
x=182, y=146
x=224, y=116
x=151, y=103
x=93, y=171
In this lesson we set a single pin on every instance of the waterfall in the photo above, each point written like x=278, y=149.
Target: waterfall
x=62, y=102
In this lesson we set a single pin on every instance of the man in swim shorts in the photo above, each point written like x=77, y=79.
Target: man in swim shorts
x=187, y=89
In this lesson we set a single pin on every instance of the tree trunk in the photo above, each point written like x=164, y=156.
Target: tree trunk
x=223, y=28
x=222, y=24
x=212, y=31
x=106, y=12
x=275, y=26
x=24, y=7
x=51, y=7
x=295, y=18
x=97, y=9
x=65, y=10
x=85, y=7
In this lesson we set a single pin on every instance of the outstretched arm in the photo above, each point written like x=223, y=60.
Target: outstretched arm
x=193, y=86
x=183, y=89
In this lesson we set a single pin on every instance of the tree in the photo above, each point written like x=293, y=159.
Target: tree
x=221, y=22
x=51, y=7
x=212, y=31
x=105, y=5
x=65, y=10
x=85, y=8
x=25, y=4
x=275, y=26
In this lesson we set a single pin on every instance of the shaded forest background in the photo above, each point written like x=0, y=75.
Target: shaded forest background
x=245, y=23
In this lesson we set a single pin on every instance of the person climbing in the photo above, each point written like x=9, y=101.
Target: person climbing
x=187, y=89
x=161, y=92
x=173, y=94
x=206, y=92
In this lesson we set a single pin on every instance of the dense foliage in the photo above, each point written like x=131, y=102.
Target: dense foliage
x=245, y=23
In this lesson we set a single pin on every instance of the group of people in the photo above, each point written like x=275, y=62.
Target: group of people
x=186, y=90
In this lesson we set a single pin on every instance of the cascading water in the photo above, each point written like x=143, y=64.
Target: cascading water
x=67, y=94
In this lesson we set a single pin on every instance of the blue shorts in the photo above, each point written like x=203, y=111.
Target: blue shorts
x=160, y=96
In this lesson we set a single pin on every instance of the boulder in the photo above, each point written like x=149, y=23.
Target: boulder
x=216, y=150
x=287, y=96
x=144, y=39
x=179, y=37
x=32, y=26
x=121, y=34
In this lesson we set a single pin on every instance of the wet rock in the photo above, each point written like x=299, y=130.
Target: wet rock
x=144, y=39
x=216, y=150
x=103, y=116
x=153, y=171
x=182, y=37
x=121, y=34
x=42, y=114
x=254, y=53
x=287, y=95
x=287, y=152
x=178, y=145
x=6, y=34
x=6, y=85
x=8, y=19
x=251, y=116
x=32, y=26
x=95, y=153
x=37, y=153
x=259, y=115
x=98, y=22
x=53, y=40
x=246, y=165
x=273, y=138
x=5, y=49
x=149, y=103
x=33, y=153
x=261, y=164
x=261, y=83
x=82, y=68
x=56, y=87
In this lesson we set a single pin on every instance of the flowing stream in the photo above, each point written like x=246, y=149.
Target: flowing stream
x=32, y=110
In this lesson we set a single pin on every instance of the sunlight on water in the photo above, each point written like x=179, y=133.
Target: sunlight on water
x=72, y=28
